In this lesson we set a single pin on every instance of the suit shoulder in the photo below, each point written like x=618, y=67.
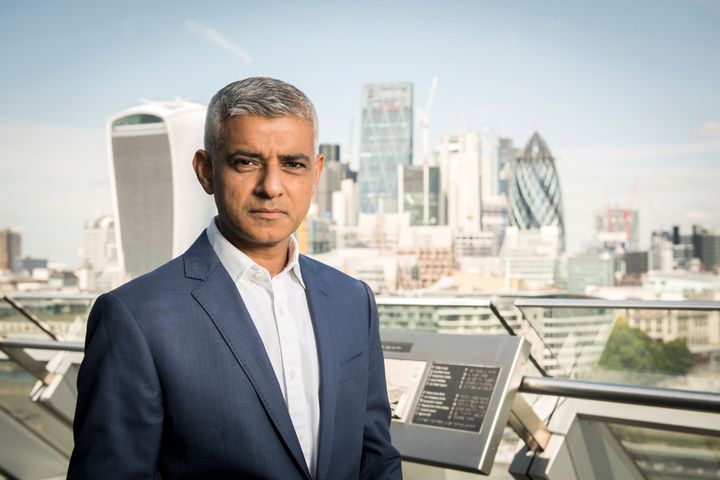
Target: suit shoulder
x=335, y=276
x=164, y=280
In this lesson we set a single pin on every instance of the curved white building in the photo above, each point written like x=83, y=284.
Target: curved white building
x=160, y=208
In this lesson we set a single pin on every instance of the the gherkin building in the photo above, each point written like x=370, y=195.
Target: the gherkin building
x=534, y=192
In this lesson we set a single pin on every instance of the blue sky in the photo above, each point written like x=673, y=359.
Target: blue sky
x=619, y=89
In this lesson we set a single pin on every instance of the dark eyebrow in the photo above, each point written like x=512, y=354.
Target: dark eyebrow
x=246, y=153
x=294, y=157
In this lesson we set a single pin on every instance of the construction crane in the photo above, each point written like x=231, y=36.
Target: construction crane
x=627, y=213
x=424, y=123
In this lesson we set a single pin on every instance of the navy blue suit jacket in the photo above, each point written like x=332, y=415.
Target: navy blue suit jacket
x=176, y=383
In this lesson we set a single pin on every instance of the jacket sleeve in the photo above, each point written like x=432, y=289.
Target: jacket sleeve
x=380, y=460
x=119, y=414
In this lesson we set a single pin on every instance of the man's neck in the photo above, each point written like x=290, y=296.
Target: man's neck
x=273, y=258
x=273, y=261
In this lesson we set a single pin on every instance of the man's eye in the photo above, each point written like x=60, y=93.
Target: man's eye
x=294, y=165
x=243, y=162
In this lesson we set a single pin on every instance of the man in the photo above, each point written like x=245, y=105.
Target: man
x=241, y=358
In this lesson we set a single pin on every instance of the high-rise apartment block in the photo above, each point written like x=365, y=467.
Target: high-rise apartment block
x=507, y=153
x=10, y=250
x=489, y=166
x=534, y=195
x=333, y=174
x=530, y=257
x=411, y=193
x=330, y=151
x=386, y=141
x=459, y=161
x=159, y=207
x=98, y=268
x=706, y=247
x=99, y=248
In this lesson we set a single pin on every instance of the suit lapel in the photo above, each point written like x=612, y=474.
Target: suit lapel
x=323, y=314
x=218, y=296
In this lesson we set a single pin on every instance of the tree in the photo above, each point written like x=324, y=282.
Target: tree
x=631, y=349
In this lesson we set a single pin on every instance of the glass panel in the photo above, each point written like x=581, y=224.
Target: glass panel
x=65, y=317
x=662, y=348
x=665, y=455
x=15, y=388
x=14, y=325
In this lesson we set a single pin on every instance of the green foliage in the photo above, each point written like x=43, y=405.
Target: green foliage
x=630, y=349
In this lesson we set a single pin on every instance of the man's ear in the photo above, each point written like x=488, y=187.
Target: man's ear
x=319, y=164
x=202, y=164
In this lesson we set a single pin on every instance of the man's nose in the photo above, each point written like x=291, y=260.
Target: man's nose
x=270, y=182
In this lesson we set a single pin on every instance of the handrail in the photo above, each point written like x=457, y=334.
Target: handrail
x=54, y=295
x=42, y=344
x=692, y=305
x=617, y=393
x=433, y=301
x=600, y=391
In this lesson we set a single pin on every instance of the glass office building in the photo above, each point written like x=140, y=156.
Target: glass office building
x=534, y=194
x=385, y=143
x=159, y=206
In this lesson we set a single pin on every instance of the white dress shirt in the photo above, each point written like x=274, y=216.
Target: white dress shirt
x=278, y=307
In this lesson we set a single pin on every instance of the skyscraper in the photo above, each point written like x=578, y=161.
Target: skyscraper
x=10, y=250
x=159, y=206
x=461, y=191
x=333, y=173
x=411, y=193
x=385, y=143
x=534, y=195
x=506, y=156
x=97, y=258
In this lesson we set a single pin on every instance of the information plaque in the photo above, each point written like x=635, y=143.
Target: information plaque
x=451, y=395
x=456, y=396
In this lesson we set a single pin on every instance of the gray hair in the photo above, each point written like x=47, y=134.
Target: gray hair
x=261, y=96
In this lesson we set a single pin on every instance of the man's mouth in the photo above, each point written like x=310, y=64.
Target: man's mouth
x=268, y=213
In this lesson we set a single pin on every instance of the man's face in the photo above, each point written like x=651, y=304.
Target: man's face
x=263, y=179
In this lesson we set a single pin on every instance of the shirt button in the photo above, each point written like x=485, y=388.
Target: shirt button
x=258, y=275
x=292, y=374
x=281, y=311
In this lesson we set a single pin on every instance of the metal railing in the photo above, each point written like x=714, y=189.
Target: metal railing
x=686, y=305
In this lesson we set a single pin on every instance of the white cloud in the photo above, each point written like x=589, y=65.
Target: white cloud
x=218, y=39
x=710, y=129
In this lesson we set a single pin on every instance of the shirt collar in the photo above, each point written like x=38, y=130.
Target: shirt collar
x=237, y=263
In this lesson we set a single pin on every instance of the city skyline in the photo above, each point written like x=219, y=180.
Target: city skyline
x=618, y=91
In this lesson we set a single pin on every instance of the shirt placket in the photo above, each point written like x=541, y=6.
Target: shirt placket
x=292, y=366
